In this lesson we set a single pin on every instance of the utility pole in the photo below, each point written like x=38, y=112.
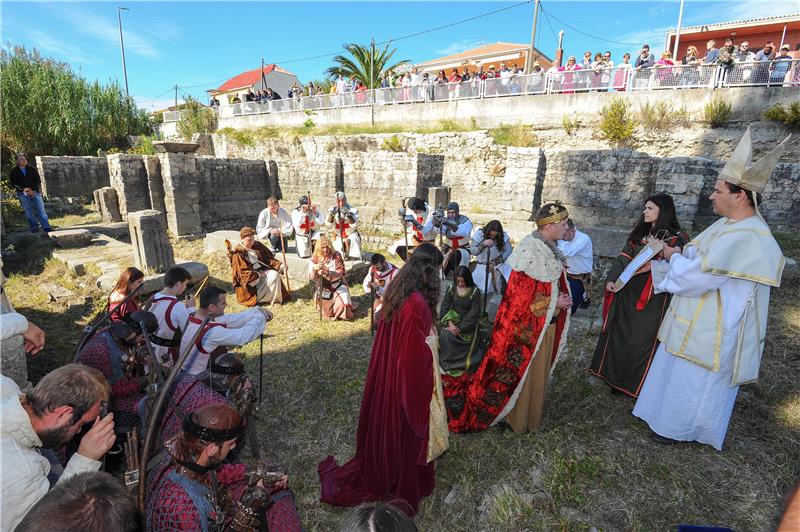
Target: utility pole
x=371, y=78
x=529, y=59
x=678, y=33
x=176, y=97
x=122, y=47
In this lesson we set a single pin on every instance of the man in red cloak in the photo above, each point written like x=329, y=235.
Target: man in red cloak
x=529, y=332
x=397, y=436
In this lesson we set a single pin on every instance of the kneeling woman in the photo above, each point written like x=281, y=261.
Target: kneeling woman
x=326, y=268
x=632, y=316
x=461, y=346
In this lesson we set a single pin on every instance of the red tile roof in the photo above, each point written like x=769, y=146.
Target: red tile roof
x=246, y=79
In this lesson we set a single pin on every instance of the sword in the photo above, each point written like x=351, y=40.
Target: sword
x=260, y=367
x=153, y=367
x=405, y=229
x=285, y=266
x=252, y=434
x=159, y=405
x=308, y=221
x=372, y=312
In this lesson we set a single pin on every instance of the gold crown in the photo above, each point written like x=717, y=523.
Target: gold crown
x=740, y=170
x=555, y=212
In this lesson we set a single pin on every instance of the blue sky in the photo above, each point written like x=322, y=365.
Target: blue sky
x=198, y=45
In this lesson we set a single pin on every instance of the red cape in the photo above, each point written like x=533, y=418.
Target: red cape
x=392, y=440
x=474, y=401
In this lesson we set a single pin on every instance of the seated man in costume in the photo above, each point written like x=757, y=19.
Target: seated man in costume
x=117, y=353
x=274, y=224
x=225, y=382
x=455, y=227
x=192, y=489
x=222, y=330
x=461, y=344
x=256, y=272
x=417, y=220
x=491, y=248
x=326, y=268
x=529, y=334
x=172, y=315
x=381, y=273
x=577, y=248
x=344, y=222
x=307, y=222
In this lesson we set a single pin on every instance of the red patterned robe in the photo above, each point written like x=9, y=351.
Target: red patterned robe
x=477, y=401
x=104, y=354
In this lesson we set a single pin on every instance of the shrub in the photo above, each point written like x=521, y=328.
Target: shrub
x=144, y=145
x=392, y=143
x=789, y=116
x=717, y=112
x=662, y=116
x=617, y=123
x=196, y=118
x=308, y=123
x=518, y=135
x=570, y=124
x=243, y=137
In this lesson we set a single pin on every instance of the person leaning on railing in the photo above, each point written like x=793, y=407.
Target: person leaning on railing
x=780, y=66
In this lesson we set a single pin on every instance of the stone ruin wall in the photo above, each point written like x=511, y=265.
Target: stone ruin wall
x=604, y=189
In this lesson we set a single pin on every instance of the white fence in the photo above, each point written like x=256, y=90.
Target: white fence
x=621, y=78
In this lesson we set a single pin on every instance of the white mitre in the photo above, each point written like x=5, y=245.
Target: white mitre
x=740, y=170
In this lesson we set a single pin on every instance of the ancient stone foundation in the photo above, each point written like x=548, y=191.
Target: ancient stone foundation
x=152, y=251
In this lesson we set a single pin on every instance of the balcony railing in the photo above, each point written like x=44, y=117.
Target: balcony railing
x=620, y=78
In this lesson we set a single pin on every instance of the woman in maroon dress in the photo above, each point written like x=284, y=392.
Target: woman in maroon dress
x=391, y=461
x=129, y=280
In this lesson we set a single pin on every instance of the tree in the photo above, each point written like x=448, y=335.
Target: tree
x=359, y=63
x=47, y=109
x=195, y=118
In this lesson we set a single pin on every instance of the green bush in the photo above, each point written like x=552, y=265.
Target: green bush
x=308, y=124
x=196, y=118
x=47, y=109
x=617, y=123
x=518, y=135
x=144, y=145
x=717, y=112
x=662, y=116
x=570, y=124
x=790, y=116
x=392, y=143
x=9, y=205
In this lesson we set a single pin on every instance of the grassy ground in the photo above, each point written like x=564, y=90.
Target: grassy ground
x=592, y=463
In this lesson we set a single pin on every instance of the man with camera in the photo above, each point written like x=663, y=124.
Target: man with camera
x=48, y=417
x=455, y=227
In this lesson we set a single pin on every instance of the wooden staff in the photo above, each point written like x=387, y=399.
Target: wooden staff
x=405, y=229
x=201, y=286
x=308, y=222
x=285, y=265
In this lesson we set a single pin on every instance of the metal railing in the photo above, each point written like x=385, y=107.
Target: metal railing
x=620, y=78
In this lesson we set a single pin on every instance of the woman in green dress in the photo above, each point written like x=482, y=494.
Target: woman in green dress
x=632, y=316
x=461, y=344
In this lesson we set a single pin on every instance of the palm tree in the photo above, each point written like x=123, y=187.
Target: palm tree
x=359, y=64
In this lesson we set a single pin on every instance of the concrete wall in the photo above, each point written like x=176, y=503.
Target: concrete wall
x=72, y=177
x=545, y=109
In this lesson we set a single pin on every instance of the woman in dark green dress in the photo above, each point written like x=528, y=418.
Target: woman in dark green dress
x=461, y=343
x=632, y=316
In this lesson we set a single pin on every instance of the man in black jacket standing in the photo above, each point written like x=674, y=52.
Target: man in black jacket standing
x=25, y=180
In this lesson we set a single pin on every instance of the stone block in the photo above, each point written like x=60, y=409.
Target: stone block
x=12, y=358
x=152, y=251
x=155, y=283
x=791, y=271
x=438, y=196
x=166, y=146
x=216, y=241
x=77, y=267
x=181, y=193
x=128, y=177
x=108, y=204
x=71, y=238
x=606, y=241
x=56, y=291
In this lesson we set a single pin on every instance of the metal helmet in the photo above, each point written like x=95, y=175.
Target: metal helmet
x=303, y=200
x=453, y=206
x=222, y=368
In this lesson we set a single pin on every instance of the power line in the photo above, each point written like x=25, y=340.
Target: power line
x=156, y=97
x=592, y=36
x=547, y=18
x=322, y=56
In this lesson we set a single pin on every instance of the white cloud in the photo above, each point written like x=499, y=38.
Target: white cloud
x=655, y=37
x=106, y=30
x=151, y=105
x=60, y=49
x=460, y=46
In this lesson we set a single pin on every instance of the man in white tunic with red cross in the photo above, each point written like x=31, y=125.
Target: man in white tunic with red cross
x=712, y=337
x=172, y=315
x=343, y=220
x=223, y=331
x=307, y=221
